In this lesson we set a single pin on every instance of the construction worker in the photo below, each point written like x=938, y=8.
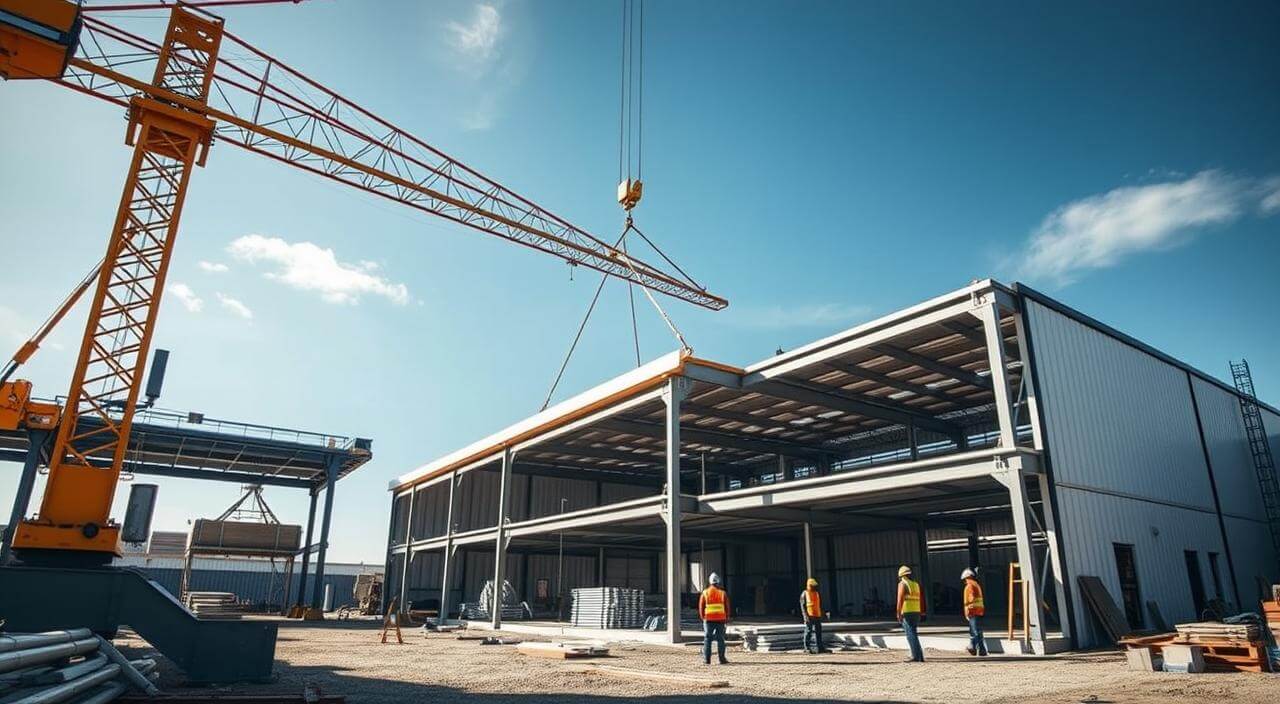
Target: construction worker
x=811, y=610
x=713, y=609
x=911, y=611
x=974, y=608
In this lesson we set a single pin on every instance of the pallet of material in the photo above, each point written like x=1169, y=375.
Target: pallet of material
x=562, y=651
x=219, y=605
x=1219, y=656
x=1213, y=631
x=652, y=676
x=607, y=607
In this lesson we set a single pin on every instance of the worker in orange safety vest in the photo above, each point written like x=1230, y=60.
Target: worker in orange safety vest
x=910, y=611
x=974, y=609
x=811, y=610
x=713, y=609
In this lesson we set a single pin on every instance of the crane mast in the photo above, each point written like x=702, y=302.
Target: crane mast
x=168, y=141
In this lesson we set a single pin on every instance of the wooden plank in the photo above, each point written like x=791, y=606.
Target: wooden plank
x=654, y=676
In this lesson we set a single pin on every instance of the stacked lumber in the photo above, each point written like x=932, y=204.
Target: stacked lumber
x=1271, y=611
x=219, y=605
x=1222, y=653
x=607, y=607
x=563, y=651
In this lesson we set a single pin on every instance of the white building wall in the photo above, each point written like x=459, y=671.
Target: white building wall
x=1224, y=434
x=1159, y=534
x=1119, y=419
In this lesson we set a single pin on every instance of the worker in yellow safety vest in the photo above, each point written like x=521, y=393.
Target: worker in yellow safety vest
x=811, y=610
x=974, y=609
x=713, y=609
x=911, y=611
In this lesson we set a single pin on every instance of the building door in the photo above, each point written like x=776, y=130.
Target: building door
x=1130, y=594
x=1197, y=582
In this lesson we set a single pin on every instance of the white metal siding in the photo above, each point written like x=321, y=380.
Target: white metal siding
x=1224, y=434
x=1254, y=558
x=1159, y=534
x=548, y=491
x=615, y=493
x=1118, y=418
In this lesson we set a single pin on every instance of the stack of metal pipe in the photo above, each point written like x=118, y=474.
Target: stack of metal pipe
x=73, y=666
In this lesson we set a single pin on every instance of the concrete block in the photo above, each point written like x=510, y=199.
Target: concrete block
x=1144, y=660
x=1183, y=658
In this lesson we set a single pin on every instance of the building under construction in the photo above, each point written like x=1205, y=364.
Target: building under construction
x=989, y=426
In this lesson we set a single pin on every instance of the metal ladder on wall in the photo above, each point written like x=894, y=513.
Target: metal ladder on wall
x=1263, y=461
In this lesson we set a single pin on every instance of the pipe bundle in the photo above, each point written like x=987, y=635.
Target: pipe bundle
x=73, y=666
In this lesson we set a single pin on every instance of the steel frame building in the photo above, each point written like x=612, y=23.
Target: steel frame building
x=986, y=426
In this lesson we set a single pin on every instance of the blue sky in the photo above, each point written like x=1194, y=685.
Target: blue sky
x=818, y=164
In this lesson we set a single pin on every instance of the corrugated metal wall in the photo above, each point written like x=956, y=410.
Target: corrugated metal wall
x=1159, y=534
x=1233, y=470
x=1119, y=419
x=1254, y=559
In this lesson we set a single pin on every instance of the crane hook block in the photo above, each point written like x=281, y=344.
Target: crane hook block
x=629, y=193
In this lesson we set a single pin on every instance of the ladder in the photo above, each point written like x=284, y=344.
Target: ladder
x=1263, y=462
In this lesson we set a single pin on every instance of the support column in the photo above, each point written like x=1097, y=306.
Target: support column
x=1054, y=555
x=1029, y=388
x=386, y=565
x=975, y=557
x=330, y=483
x=989, y=313
x=672, y=396
x=922, y=547
x=36, y=440
x=1022, y=521
x=446, y=559
x=600, y=558
x=500, y=543
x=808, y=551
x=913, y=441
x=306, y=547
x=408, y=556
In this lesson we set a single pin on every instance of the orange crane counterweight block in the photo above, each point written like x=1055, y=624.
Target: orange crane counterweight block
x=37, y=37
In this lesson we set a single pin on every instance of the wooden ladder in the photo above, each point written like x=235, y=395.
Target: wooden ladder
x=1016, y=579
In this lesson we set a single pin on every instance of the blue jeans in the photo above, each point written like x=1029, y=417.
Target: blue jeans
x=813, y=634
x=976, y=639
x=712, y=631
x=910, y=626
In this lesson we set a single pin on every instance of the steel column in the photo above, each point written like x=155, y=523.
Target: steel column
x=331, y=480
x=36, y=440
x=1054, y=555
x=989, y=313
x=500, y=542
x=1022, y=521
x=306, y=546
x=975, y=557
x=386, y=564
x=808, y=551
x=446, y=560
x=922, y=547
x=408, y=555
x=677, y=388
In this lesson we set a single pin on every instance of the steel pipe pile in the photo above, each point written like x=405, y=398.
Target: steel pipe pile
x=72, y=666
x=607, y=607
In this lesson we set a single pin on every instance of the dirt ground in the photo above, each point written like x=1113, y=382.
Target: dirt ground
x=345, y=657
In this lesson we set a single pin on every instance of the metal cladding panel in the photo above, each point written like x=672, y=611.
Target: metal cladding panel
x=1118, y=418
x=630, y=572
x=546, y=493
x=885, y=549
x=1092, y=523
x=399, y=519
x=945, y=568
x=772, y=557
x=253, y=587
x=1224, y=434
x=1271, y=422
x=1254, y=559
x=578, y=571
x=431, y=511
x=857, y=587
x=478, y=502
x=479, y=570
x=615, y=493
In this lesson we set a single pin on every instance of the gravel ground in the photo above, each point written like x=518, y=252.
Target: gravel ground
x=346, y=658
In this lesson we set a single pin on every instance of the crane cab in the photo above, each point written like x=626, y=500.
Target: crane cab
x=37, y=37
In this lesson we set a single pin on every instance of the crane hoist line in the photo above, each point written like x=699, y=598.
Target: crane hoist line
x=200, y=84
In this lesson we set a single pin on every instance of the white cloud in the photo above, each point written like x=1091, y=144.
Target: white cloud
x=14, y=328
x=478, y=40
x=187, y=297
x=309, y=267
x=810, y=315
x=235, y=306
x=1270, y=196
x=1102, y=230
x=213, y=267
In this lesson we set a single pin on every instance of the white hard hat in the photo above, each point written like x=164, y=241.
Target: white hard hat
x=968, y=572
x=714, y=578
